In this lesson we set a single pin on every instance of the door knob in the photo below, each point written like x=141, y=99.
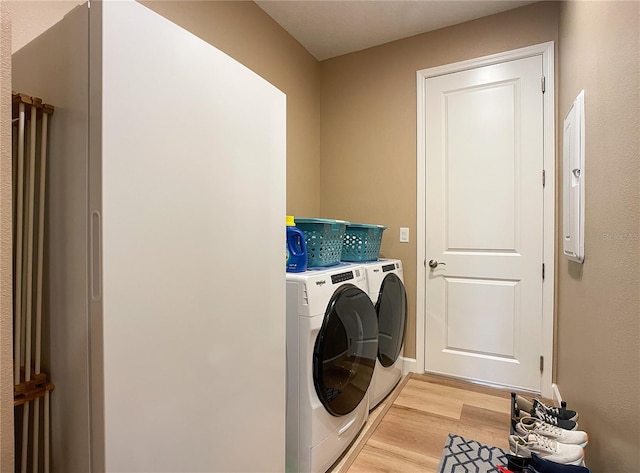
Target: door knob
x=433, y=264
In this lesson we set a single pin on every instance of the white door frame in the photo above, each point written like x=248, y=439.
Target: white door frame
x=549, y=193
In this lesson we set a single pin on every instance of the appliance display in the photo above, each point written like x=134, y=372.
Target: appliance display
x=386, y=290
x=332, y=344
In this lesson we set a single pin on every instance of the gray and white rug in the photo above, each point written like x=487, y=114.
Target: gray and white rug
x=461, y=456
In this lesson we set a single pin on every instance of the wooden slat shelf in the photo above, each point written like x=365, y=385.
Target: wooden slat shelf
x=30, y=124
x=18, y=98
x=32, y=389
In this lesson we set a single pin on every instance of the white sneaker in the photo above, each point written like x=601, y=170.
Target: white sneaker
x=546, y=448
x=531, y=425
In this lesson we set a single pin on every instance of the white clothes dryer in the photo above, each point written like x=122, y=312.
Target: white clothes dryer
x=332, y=344
x=386, y=290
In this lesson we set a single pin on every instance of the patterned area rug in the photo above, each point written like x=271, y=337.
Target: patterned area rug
x=461, y=455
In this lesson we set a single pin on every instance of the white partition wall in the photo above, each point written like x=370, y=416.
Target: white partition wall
x=180, y=240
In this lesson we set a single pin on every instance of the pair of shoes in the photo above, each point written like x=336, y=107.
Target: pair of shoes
x=546, y=448
x=541, y=465
x=532, y=425
x=536, y=464
x=557, y=416
x=560, y=412
x=540, y=413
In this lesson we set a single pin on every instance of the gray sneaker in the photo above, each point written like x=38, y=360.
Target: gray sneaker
x=546, y=448
x=531, y=425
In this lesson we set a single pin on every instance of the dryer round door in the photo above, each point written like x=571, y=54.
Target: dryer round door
x=392, y=319
x=345, y=351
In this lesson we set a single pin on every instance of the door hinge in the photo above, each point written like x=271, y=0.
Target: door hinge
x=541, y=363
x=544, y=178
x=543, y=84
x=542, y=270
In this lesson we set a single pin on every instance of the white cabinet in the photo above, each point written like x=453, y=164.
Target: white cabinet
x=166, y=288
x=573, y=181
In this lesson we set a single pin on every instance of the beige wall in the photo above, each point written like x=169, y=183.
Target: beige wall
x=6, y=233
x=32, y=17
x=246, y=33
x=368, y=116
x=598, y=316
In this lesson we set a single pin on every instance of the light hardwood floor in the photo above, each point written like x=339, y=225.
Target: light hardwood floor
x=408, y=430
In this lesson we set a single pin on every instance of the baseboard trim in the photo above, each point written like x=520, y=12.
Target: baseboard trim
x=409, y=365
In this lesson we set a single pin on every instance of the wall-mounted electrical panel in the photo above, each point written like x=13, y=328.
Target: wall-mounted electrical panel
x=573, y=181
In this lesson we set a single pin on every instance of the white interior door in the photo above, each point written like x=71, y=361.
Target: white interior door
x=484, y=219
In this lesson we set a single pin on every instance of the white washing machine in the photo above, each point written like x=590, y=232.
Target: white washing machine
x=332, y=344
x=386, y=290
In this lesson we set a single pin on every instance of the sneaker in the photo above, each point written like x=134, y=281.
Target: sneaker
x=531, y=425
x=546, y=448
x=541, y=414
x=524, y=404
x=541, y=465
x=559, y=412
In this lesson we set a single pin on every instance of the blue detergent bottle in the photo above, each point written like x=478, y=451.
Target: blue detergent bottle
x=296, y=248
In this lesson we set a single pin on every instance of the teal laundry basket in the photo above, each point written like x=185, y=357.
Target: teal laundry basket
x=323, y=238
x=361, y=242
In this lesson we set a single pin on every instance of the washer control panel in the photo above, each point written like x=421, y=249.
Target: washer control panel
x=388, y=267
x=342, y=277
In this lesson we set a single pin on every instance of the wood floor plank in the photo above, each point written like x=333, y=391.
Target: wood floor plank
x=436, y=399
x=412, y=430
x=484, y=418
x=485, y=426
x=484, y=401
x=411, y=435
x=379, y=457
x=446, y=400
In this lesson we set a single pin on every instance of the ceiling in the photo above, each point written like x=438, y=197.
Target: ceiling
x=330, y=28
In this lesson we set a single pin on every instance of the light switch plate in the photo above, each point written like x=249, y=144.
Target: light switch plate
x=404, y=235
